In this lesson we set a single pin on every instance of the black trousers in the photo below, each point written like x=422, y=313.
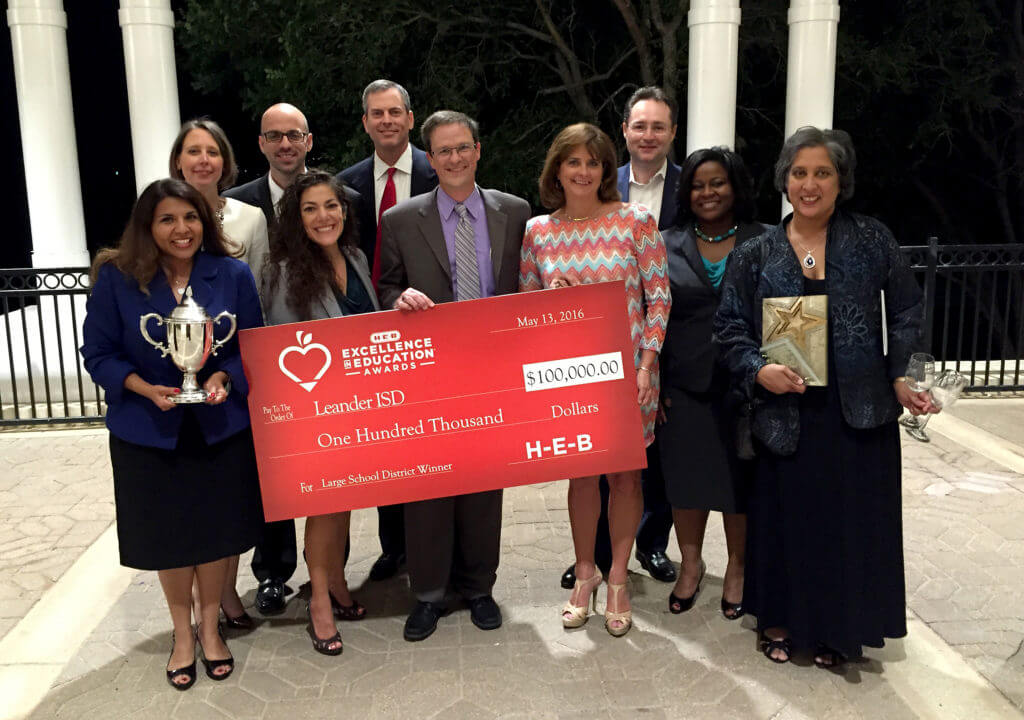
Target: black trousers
x=391, y=529
x=275, y=554
x=655, y=523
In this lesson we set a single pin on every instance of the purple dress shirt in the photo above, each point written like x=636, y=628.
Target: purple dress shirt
x=450, y=219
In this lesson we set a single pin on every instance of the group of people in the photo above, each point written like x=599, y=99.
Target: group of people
x=807, y=478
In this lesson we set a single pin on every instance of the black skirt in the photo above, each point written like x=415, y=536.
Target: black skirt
x=825, y=532
x=698, y=452
x=191, y=505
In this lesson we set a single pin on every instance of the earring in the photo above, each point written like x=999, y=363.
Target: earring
x=558, y=183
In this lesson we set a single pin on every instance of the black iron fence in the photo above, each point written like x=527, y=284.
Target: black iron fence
x=42, y=379
x=974, y=323
x=974, y=310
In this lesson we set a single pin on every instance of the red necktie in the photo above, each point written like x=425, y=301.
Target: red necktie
x=387, y=200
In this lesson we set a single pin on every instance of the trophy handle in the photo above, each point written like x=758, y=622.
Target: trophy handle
x=164, y=350
x=234, y=326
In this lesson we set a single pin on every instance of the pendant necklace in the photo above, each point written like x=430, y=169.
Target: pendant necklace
x=716, y=238
x=808, y=261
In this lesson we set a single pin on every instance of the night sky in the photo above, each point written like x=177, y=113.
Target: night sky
x=102, y=128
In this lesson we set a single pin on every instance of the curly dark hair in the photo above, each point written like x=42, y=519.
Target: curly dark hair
x=308, y=272
x=136, y=254
x=743, y=206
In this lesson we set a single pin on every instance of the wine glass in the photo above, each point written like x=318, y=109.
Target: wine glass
x=920, y=378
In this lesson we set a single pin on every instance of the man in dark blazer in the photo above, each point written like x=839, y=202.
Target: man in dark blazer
x=285, y=140
x=459, y=242
x=652, y=180
x=394, y=172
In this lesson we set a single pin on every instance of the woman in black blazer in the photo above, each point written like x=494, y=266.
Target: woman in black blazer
x=315, y=271
x=697, y=441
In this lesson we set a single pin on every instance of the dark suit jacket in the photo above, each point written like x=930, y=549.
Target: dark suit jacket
x=861, y=260
x=667, y=215
x=413, y=252
x=275, y=305
x=689, y=356
x=360, y=177
x=113, y=348
x=257, y=192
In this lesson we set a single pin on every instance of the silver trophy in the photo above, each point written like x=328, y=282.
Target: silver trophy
x=190, y=342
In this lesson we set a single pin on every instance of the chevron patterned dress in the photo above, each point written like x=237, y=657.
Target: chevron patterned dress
x=623, y=245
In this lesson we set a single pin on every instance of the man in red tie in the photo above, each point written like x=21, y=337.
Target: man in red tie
x=394, y=172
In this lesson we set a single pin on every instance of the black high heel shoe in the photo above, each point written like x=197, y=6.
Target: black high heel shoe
x=213, y=665
x=187, y=671
x=323, y=645
x=736, y=610
x=349, y=613
x=676, y=604
x=241, y=622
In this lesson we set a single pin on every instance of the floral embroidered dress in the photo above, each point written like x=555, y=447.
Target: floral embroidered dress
x=623, y=245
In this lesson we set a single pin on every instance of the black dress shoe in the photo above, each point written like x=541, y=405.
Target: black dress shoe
x=422, y=621
x=658, y=565
x=569, y=577
x=386, y=566
x=485, y=613
x=270, y=598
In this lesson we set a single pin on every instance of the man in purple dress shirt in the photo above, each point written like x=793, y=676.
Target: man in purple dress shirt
x=459, y=242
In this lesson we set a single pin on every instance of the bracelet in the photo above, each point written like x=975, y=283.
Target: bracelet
x=646, y=370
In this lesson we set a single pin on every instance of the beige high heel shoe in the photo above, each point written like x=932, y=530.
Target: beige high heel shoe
x=574, y=616
x=624, y=618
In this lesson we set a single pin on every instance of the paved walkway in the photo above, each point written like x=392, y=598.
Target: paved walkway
x=85, y=638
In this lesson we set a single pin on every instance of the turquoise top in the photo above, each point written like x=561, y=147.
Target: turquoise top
x=715, y=270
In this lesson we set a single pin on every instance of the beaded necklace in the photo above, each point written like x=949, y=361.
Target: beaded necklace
x=717, y=238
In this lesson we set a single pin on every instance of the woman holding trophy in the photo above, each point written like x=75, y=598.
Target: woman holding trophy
x=317, y=271
x=824, y=570
x=185, y=481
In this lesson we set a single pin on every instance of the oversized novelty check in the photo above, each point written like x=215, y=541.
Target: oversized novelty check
x=390, y=407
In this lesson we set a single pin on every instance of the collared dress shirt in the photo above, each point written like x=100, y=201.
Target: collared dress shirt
x=402, y=179
x=649, y=195
x=482, y=239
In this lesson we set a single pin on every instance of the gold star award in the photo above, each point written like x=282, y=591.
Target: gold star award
x=794, y=332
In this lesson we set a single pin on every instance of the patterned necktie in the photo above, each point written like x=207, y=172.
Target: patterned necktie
x=387, y=200
x=467, y=278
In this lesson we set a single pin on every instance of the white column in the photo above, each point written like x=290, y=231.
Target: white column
x=711, y=83
x=39, y=45
x=811, y=69
x=147, y=28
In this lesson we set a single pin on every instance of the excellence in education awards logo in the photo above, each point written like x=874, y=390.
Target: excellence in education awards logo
x=304, y=347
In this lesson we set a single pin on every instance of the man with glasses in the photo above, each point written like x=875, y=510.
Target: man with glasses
x=284, y=140
x=394, y=172
x=649, y=179
x=459, y=242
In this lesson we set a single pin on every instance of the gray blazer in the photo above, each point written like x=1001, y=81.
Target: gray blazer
x=413, y=252
x=277, y=311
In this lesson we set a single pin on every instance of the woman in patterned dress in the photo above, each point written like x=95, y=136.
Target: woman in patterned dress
x=591, y=236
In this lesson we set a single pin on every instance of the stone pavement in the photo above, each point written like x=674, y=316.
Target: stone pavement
x=964, y=548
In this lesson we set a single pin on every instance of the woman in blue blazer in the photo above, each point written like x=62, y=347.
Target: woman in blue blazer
x=185, y=483
x=316, y=271
x=824, y=570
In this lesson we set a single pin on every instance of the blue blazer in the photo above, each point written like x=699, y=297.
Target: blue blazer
x=667, y=216
x=862, y=259
x=360, y=178
x=113, y=348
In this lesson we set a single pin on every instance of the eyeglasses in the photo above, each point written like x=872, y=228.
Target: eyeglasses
x=446, y=152
x=275, y=136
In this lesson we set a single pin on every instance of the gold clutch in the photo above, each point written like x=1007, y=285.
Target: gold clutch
x=794, y=332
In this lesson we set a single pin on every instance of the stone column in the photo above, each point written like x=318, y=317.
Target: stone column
x=811, y=68
x=39, y=44
x=711, y=83
x=147, y=28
